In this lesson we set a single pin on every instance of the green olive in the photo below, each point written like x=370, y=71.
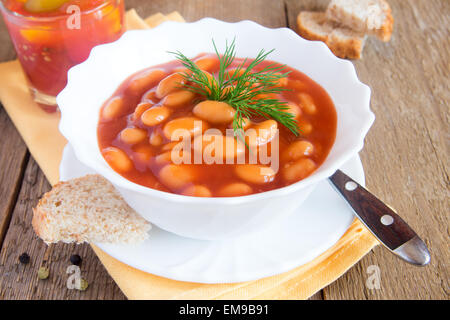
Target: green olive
x=38, y=6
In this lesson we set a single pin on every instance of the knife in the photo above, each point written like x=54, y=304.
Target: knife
x=382, y=221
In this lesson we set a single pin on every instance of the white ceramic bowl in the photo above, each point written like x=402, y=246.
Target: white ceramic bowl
x=95, y=80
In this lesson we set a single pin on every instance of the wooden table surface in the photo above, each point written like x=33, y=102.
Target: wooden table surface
x=406, y=156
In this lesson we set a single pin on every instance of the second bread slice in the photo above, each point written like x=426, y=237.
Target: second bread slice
x=343, y=42
x=373, y=17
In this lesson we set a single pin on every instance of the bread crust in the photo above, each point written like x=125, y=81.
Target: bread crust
x=40, y=216
x=342, y=48
x=38, y=225
x=385, y=32
x=304, y=31
x=349, y=49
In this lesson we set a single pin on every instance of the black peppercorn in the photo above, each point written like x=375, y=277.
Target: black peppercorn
x=24, y=258
x=75, y=259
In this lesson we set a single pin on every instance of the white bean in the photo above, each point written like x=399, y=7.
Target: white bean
x=214, y=111
x=254, y=173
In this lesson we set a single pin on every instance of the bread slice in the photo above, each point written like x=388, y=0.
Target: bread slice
x=373, y=17
x=158, y=18
x=87, y=209
x=342, y=41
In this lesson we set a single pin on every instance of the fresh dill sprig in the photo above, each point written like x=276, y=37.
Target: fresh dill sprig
x=246, y=90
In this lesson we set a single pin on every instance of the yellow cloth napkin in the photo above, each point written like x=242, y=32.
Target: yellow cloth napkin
x=40, y=132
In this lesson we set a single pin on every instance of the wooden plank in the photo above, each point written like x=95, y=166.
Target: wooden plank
x=6, y=49
x=13, y=151
x=406, y=151
x=13, y=156
x=269, y=13
x=20, y=281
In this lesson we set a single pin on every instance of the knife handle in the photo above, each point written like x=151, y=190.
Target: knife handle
x=382, y=221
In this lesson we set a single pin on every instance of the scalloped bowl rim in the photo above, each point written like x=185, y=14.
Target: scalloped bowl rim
x=320, y=174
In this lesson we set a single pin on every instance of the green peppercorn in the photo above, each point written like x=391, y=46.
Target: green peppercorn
x=83, y=284
x=43, y=273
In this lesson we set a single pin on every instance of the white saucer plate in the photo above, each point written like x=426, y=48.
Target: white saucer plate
x=318, y=224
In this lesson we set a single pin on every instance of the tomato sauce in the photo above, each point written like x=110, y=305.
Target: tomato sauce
x=140, y=162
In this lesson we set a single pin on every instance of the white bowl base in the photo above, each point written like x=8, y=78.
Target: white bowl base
x=323, y=219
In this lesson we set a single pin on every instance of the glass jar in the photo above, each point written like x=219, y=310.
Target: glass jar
x=48, y=43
